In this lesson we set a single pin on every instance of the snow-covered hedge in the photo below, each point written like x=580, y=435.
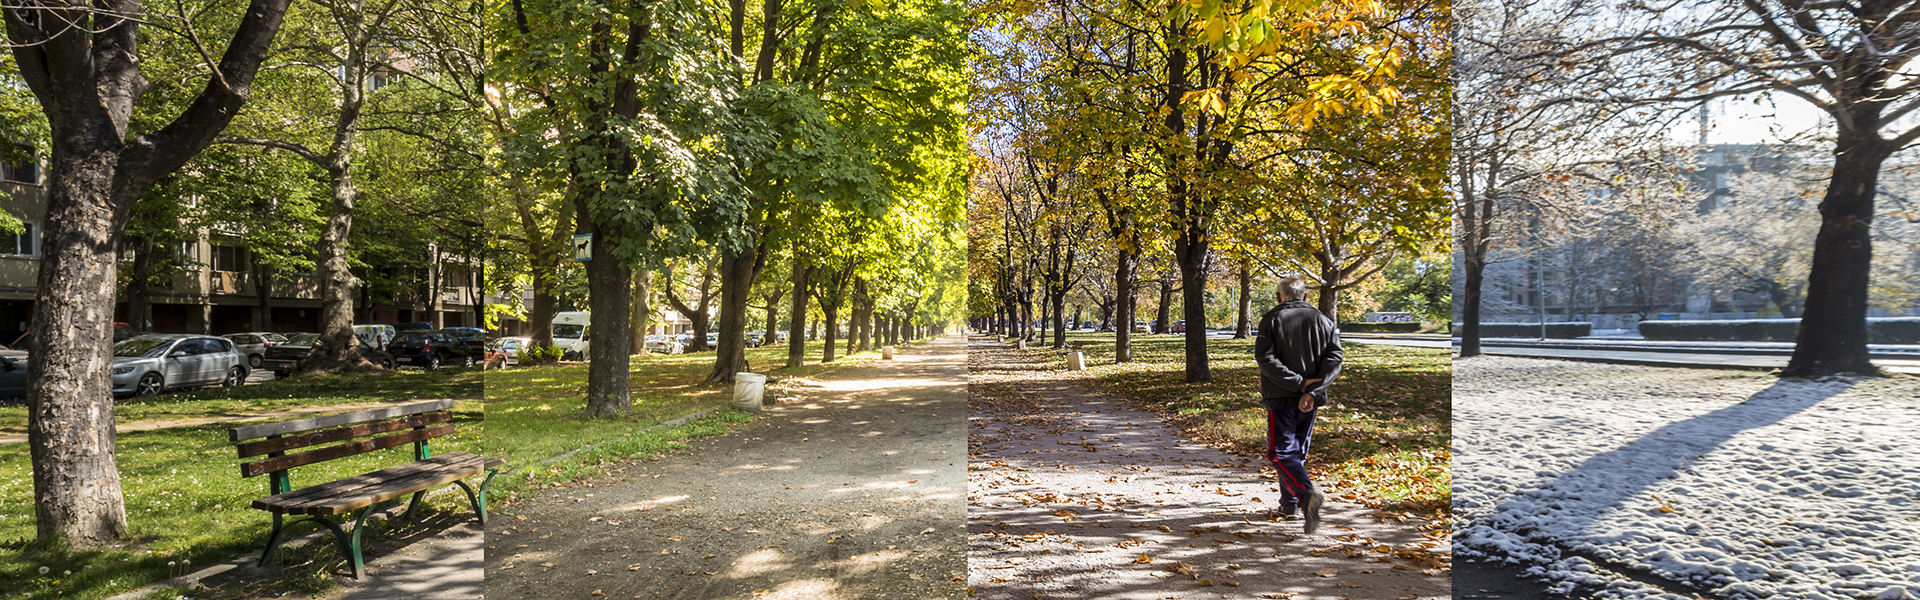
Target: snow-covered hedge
x=1360, y=327
x=1886, y=330
x=1532, y=330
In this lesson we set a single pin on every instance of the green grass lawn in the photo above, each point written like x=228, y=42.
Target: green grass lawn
x=535, y=414
x=1386, y=442
x=184, y=495
x=185, y=500
x=294, y=392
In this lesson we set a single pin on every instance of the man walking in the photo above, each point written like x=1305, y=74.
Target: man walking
x=1298, y=351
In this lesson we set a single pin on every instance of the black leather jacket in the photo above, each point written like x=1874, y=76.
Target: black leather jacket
x=1296, y=343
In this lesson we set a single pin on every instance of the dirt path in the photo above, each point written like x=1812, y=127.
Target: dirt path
x=850, y=487
x=1073, y=494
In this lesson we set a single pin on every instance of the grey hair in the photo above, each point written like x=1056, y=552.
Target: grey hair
x=1292, y=287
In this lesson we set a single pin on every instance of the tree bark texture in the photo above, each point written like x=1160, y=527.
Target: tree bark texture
x=86, y=80
x=1833, y=326
x=608, y=293
x=797, y=325
x=1243, y=322
x=642, y=311
x=738, y=270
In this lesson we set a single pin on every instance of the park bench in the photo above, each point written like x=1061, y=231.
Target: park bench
x=324, y=503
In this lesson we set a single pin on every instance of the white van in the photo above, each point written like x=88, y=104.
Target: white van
x=375, y=335
x=570, y=334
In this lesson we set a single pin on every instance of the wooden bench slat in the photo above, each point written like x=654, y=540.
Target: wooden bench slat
x=361, y=491
x=350, y=494
x=281, y=463
x=348, y=485
x=344, y=433
x=241, y=434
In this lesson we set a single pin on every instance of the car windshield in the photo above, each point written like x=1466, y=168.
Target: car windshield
x=571, y=332
x=138, y=347
x=303, y=339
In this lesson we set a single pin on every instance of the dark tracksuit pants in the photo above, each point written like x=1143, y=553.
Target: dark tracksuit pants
x=1289, y=435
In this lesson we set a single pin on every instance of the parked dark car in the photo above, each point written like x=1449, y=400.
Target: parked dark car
x=474, y=337
x=284, y=356
x=1180, y=326
x=430, y=349
x=13, y=375
x=254, y=345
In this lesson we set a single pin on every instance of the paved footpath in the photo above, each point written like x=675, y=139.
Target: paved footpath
x=849, y=487
x=1074, y=494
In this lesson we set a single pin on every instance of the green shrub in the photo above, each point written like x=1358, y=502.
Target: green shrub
x=1879, y=331
x=1362, y=327
x=535, y=356
x=1532, y=330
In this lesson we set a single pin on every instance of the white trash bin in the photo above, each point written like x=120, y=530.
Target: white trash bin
x=748, y=390
x=1076, y=362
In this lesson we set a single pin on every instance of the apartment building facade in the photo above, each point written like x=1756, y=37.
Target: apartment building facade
x=223, y=289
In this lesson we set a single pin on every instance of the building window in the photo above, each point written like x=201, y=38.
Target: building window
x=229, y=258
x=24, y=172
x=25, y=243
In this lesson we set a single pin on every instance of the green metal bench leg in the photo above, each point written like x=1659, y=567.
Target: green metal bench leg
x=477, y=498
x=414, y=506
x=273, y=540
x=484, y=484
x=349, y=545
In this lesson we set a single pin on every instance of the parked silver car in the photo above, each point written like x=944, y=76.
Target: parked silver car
x=664, y=344
x=254, y=345
x=146, y=365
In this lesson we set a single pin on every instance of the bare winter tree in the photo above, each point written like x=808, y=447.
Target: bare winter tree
x=1524, y=148
x=1852, y=59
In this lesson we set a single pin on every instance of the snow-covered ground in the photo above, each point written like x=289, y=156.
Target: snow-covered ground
x=1736, y=484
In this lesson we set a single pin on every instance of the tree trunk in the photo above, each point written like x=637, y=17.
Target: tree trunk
x=797, y=314
x=1243, y=323
x=86, y=80
x=436, y=280
x=1123, y=309
x=1329, y=300
x=1163, y=323
x=832, y=330
x=338, y=350
x=1193, y=292
x=71, y=432
x=1059, y=309
x=140, y=290
x=642, y=311
x=737, y=274
x=608, y=295
x=1833, y=324
x=1470, y=306
x=263, y=295
x=773, y=320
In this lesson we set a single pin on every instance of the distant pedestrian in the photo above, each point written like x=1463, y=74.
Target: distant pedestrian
x=1298, y=351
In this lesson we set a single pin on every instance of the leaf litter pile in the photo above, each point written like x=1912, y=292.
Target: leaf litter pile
x=1080, y=493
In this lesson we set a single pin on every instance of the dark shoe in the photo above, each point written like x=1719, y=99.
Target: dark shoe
x=1285, y=512
x=1314, y=500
